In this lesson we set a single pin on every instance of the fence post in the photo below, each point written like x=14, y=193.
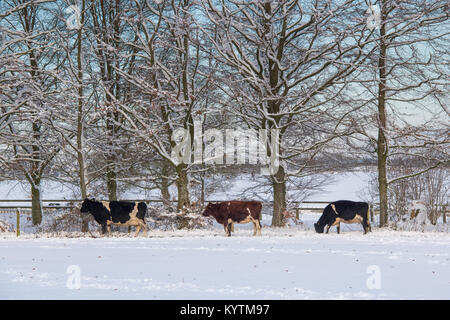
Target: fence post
x=297, y=213
x=17, y=222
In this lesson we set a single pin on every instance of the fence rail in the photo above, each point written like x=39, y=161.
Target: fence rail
x=55, y=204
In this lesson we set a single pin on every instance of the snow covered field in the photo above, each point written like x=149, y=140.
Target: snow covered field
x=286, y=263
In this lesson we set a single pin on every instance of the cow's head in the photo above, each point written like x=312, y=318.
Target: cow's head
x=209, y=210
x=88, y=205
x=319, y=228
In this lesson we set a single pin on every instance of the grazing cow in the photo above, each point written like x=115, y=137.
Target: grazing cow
x=122, y=213
x=344, y=211
x=229, y=212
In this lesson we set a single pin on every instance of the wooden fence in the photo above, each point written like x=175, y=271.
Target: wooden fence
x=24, y=207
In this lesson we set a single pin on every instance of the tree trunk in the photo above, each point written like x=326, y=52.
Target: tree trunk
x=35, y=177
x=279, y=198
x=183, y=193
x=202, y=192
x=80, y=155
x=164, y=187
x=36, y=210
x=83, y=189
x=111, y=182
x=382, y=185
x=382, y=143
x=182, y=187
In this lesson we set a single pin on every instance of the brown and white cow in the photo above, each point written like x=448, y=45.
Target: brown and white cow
x=229, y=212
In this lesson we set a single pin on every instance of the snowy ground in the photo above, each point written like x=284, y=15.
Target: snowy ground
x=288, y=263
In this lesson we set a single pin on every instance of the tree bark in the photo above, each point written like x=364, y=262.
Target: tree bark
x=183, y=193
x=382, y=144
x=80, y=155
x=182, y=187
x=382, y=183
x=83, y=189
x=165, y=183
x=36, y=210
x=111, y=182
x=279, y=198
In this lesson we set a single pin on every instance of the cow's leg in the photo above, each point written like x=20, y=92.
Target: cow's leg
x=254, y=228
x=365, y=226
x=369, y=226
x=229, y=229
x=138, y=229
x=335, y=222
x=104, y=228
x=338, y=228
x=144, y=225
x=225, y=227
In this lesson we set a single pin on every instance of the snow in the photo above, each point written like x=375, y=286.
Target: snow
x=284, y=263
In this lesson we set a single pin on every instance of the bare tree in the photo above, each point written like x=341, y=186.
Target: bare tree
x=410, y=72
x=29, y=90
x=431, y=187
x=285, y=63
x=169, y=83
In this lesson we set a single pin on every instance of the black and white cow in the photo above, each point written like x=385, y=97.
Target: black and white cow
x=344, y=211
x=121, y=213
